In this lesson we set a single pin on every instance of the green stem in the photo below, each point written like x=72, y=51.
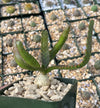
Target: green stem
x=60, y=43
x=44, y=49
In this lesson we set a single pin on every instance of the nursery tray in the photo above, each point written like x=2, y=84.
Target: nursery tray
x=62, y=21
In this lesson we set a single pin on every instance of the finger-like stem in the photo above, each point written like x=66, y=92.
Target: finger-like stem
x=87, y=53
x=60, y=43
x=44, y=49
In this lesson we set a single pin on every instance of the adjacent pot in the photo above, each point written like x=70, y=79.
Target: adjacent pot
x=69, y=100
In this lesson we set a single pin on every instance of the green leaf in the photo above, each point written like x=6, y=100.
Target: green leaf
x=60, y=43
x=28, y=58
x=44, y=49
x=19, y=60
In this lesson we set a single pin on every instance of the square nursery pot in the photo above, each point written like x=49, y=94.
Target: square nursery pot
x=69, y=100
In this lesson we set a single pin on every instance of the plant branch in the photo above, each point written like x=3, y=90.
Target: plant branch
x=87, y=54
x=60, y=43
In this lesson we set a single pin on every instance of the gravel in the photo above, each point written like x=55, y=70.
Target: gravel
x=27, y=89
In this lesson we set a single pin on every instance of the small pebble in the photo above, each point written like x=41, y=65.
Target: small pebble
x=44, y=88
x=55, y=98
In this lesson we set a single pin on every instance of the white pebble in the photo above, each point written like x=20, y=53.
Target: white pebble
x=44, y=88
x=56, y=98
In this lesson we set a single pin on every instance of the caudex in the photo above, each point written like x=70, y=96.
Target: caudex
x=27, y=61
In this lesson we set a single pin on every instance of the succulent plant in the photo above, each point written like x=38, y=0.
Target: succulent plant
x=91, y=2
x=65, y=47
x=77, y=13
x=28, y=6
x=27, y=61
x=36, y=38
x=85, y=95
x=6, y=1
x=67, y=1
x=9, y=42
x=60, y=29
x=49, y=3
x=13, y=63
x=32, y=24
x=86, y=1
x=53, y=17
x=94, y=8
x=10, y=9
x=10, y=23
x=97, y=65
x=73, y=2
x=82, y=26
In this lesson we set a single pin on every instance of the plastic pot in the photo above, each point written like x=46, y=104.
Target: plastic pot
x=69, y=100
